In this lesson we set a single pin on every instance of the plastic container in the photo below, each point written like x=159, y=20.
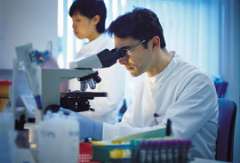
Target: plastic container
x=6, y=137
x=58, y=139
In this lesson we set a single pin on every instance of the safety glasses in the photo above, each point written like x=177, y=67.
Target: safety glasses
x=130, y=49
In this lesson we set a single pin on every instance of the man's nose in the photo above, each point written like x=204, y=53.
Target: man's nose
x=123, y=60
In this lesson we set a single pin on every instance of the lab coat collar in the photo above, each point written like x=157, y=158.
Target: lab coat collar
x=91, y=47
x=165, y=73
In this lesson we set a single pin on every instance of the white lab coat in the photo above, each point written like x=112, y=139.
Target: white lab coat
x=181, y=93
x=113, y=82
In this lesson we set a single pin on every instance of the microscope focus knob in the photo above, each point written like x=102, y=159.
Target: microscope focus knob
x=97, y=79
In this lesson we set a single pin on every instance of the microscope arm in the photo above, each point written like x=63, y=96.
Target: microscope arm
x=103, y=59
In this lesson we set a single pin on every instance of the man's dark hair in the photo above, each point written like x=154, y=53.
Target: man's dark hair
x=140, y=24
x=90, y=8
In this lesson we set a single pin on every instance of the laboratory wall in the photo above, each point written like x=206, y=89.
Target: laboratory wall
x=1, y=28
x=25, y=21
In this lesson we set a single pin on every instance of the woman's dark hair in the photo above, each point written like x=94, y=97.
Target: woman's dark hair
x=90, y=8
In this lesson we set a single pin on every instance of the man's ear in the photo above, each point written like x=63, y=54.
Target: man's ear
x=96, y=19
x=156, y=41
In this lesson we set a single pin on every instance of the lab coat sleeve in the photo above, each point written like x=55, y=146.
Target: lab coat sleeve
x=114, y=131
x=196, y=103
x=113, y=81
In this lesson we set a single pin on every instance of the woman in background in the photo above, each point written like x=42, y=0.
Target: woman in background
x=88, y=17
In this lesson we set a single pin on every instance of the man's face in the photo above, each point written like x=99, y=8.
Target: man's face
x=82, y=26
x=137, y=59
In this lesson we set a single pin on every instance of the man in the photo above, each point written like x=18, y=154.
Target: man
x=168, y=88
x=88, y=17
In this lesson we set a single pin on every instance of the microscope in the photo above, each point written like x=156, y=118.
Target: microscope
x=78, y=100
x=44, y=83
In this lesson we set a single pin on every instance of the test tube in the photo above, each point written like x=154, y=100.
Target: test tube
x=175, y=151
x=135, y=150
x=163, y=152
x=142, y=152
x=156, y=153
x=170, y=148
x=149, y=149
x=186, y=146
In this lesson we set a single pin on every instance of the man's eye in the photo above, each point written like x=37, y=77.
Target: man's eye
x=126, y=47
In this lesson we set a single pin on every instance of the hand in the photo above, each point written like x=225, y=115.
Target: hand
x=88, y=128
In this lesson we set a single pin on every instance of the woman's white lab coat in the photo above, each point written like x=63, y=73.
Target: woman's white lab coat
x=181, y=93
x=113, y=82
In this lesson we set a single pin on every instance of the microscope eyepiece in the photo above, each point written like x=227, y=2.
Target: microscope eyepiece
x=109, y=58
